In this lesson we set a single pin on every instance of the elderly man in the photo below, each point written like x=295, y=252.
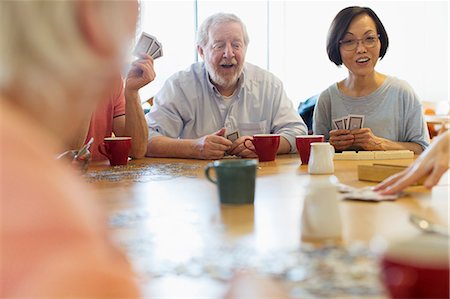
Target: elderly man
x=199, y=108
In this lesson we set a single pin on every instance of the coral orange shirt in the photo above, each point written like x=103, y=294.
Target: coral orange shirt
x=101, y=124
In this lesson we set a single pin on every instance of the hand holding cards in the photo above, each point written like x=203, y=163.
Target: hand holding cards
x=342, y=140
x=233, y=136
x=148, y=44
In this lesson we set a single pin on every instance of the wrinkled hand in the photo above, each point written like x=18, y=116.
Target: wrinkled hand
x=140, y=74
x=434, y=162
x=341, y=139
x=238, y=148
x=80, y=163
x=366, y=140
x=213, y=146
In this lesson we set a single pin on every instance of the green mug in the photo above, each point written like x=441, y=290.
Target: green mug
x=235, y=180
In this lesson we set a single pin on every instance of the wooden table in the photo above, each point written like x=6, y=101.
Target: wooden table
x=167, y=209
x=437, y=124
x=437, y=119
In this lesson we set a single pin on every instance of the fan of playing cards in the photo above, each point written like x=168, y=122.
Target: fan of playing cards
x=350, y=122
x=148, y=44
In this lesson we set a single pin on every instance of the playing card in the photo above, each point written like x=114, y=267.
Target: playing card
x=343, y=188
x=153, y=48
x=233, y=136
x=156, y=47
x=346, y=121
x=355, y=121
x=339, y=123
x=363, y=194
x=144, y=43
x=367, y=194
x=157, y=54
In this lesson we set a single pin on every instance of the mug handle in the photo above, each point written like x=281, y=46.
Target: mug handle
x=251, y=140
x=207, y=169
x=332, y=151
x=102, y=148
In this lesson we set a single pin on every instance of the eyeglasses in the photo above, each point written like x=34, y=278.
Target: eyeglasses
x=350, y=44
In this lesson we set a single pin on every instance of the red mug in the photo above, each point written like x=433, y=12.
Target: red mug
x=417, y=268
x=266, y=146
x=116, y=149
x=303, y=143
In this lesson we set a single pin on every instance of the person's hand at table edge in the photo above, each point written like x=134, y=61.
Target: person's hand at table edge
x=433, y=162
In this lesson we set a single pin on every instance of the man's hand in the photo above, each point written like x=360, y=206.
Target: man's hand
x=341, y=139
x=213, y=146
x=366, y=140
x=141, y=74
x=238, y=148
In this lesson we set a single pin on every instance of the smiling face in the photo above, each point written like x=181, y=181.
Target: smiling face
x=224, y=54
x=362, y=60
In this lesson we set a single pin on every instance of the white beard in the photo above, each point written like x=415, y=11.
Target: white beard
x=221, y=81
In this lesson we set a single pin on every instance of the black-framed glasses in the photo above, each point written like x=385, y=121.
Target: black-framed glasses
x=350, y=44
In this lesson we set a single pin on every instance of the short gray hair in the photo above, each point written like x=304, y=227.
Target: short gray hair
x=219, y=18
x=44, y=57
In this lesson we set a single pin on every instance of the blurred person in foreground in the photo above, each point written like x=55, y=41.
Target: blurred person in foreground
x=58, y=58
x=433, y=162
x=222, y=96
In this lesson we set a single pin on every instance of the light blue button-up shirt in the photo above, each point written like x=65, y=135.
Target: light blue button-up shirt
x=189, y=106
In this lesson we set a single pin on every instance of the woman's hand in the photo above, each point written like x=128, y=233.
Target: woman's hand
x=80, y=163
x=366, y=140
x=140, y=74
x=341, y=139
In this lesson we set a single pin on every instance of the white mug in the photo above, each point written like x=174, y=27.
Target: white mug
x=321, y=218
x=321, y=158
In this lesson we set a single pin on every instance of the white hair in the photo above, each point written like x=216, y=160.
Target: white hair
x=219, y=18
x=45, y=59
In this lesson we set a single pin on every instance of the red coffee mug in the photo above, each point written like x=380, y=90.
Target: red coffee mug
x=303, y=143
x=116, y=149
x=417, y=268
x=266, y=146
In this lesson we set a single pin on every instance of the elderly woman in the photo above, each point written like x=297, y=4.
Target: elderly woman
x=57, y=59
x=392, y=112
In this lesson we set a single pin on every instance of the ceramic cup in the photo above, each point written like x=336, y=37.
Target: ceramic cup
x=321, y=158
x=116, y=149
x=321, y=218
x=266, y=146
x=303, y=143
x=417, y=267
x=235, y=180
